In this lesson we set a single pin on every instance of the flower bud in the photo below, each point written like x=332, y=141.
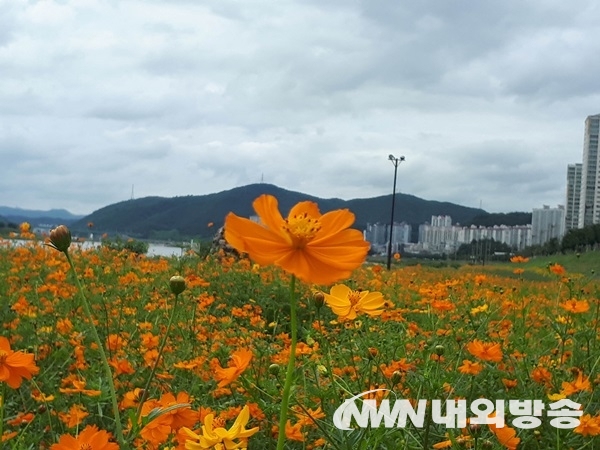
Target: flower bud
x=319, y=299
x=439, y=350
x=177, y=284
x=396, y=377
x=60, y=238
x=274, y=369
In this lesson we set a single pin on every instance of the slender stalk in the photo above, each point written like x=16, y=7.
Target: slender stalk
x=106, y=366
x=157, y=361
x=289, y=377
x=2, y=391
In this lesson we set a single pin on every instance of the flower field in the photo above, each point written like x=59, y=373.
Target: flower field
x=199, y=360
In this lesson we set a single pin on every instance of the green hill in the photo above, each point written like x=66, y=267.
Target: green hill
x=189, y=216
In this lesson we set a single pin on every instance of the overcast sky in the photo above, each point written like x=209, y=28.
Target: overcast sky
x=486, y=99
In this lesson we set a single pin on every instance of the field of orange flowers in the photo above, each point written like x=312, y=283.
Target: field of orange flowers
x=198, y=349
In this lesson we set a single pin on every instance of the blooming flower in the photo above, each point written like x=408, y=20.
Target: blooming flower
x=220, y=437
x=90, y=438
x=347, y=304
x=575, y=306
x=317, y=248
x=240, y=359
x=14, y=366
x=486, y=351
x=588, y=425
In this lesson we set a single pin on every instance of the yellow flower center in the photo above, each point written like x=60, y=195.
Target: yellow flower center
x=354, y=297
x=3, y=356
x=85, y=447
x=302, y=228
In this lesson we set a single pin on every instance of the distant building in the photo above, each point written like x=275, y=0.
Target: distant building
x=377, y=234
x=573, y=196
x=440, y=236
x=547, y=223
x=589, y=202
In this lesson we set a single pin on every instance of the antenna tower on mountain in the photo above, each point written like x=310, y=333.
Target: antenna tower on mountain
x=131, y=192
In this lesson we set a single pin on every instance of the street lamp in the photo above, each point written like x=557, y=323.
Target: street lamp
x=395, y=161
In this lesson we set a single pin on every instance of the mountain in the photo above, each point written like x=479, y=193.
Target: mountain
x=190, y=216
x=37, y=217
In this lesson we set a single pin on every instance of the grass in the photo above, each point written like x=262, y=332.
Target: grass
x=446, y=333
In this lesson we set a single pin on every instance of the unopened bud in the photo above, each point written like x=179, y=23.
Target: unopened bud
x=319, y=299
x=396, y=377
x=439, y=350
x=274, y=369
x=60, y=238
x=177, y=284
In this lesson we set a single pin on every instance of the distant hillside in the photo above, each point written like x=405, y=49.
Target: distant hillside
x=158, y=217
x=508, y=219
x=36, y=217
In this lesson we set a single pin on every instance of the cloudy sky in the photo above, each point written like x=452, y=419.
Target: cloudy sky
x=486, y=99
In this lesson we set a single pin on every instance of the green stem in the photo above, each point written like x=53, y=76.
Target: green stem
x=154, y=367
x=2, y=391
x=107, y=371
x=289, y=377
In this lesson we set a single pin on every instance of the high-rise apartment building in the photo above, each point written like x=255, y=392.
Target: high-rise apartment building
x=573, y=196
x=589, y=202
x=547, y=223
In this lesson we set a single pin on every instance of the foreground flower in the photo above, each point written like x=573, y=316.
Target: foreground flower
x=220, y=438
x=14, y=366
x=90, y=439
x=60, y=238
x=317, y=248
x=347, y=304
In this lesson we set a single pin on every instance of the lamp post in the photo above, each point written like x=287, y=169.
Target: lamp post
x=395, y=161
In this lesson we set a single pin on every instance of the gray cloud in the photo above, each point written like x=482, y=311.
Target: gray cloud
x=487, y=103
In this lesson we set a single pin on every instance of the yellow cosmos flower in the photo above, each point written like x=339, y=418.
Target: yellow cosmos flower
x=347, y=304
x=319, y=249
x=220, y=438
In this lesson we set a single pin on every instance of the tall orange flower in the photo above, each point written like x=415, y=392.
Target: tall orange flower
x=317, y=248
x=90, y=438
x=486, y=351
x=14, y=366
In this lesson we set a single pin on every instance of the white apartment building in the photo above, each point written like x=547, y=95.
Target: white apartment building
x=589, y=202
x=547, y=223
x=573, y=196
x=440, y=236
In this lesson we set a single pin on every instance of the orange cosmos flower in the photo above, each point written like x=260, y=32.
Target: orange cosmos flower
x=317, y=248
x=507, y=436
x=347, y=303
x=470, y=368
x=575, y=306
x=588, y=426
x=557, y=269
x=240, y=359
x=14, y=366
x=89, y=438
x=486, y=351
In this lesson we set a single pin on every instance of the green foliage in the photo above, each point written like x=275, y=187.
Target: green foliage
x=484, y=250
x=131, y=245
x=511, y=219
x=581, y=239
